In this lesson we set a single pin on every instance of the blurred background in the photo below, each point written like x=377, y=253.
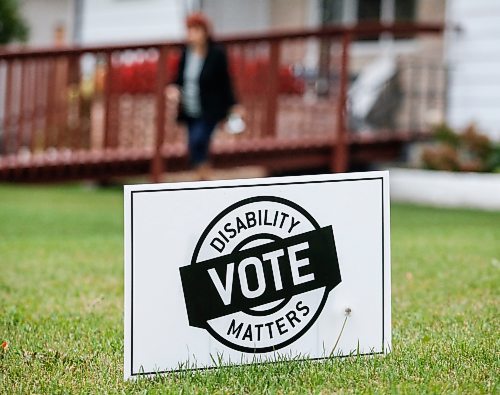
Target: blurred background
x=328, y=85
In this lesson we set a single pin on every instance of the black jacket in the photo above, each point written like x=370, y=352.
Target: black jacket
x=216, y=91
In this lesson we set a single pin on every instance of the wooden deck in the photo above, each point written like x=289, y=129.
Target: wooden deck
x=100, y=112
x=274, y=155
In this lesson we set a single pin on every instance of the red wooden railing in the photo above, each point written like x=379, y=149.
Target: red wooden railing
x=76, y=113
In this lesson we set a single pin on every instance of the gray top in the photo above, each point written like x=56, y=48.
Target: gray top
x=191, y=89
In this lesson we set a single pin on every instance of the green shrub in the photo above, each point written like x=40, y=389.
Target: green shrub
x=468, y=150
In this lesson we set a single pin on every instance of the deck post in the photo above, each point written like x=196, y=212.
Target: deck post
x=272, y=89
x=10, y=140
x=76, y=130
x=340, y=152
x=21, y=136
x=108, y=91
x=157, y=162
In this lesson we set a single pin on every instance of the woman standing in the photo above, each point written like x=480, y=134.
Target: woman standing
x=203, y=89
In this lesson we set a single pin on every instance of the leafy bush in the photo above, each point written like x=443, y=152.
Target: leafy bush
x=468, y=150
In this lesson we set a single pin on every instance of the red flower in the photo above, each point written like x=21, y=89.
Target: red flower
x=250, y=75
x=5, y=345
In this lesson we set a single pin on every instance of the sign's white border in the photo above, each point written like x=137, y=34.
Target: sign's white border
x=130, y=190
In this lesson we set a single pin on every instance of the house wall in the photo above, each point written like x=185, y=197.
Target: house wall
x=43, y=17
x=238, y=16
x=289, y=14
x=126, y=21
x=474, y=65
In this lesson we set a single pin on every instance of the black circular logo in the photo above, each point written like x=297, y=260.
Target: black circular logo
x=260, y=274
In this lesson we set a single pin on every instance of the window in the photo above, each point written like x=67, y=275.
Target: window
x=405, y=10
x=353, y=11
x=368, y=10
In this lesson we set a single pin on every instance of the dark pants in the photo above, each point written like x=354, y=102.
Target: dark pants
x=199, y=133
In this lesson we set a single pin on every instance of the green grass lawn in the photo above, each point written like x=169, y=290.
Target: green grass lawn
x=61, y=306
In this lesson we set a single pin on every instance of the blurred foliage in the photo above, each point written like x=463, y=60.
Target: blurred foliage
x=12, y=25
x=468, y=150
x=447, y=135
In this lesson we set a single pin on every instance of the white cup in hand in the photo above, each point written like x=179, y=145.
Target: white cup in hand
x=235, y=124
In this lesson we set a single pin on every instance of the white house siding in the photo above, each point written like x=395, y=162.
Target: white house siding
x=128, y=21
x=43, y=17
x=474, y=62
x=238, y=16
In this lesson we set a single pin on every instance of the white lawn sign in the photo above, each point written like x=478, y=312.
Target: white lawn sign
x=258, y=270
